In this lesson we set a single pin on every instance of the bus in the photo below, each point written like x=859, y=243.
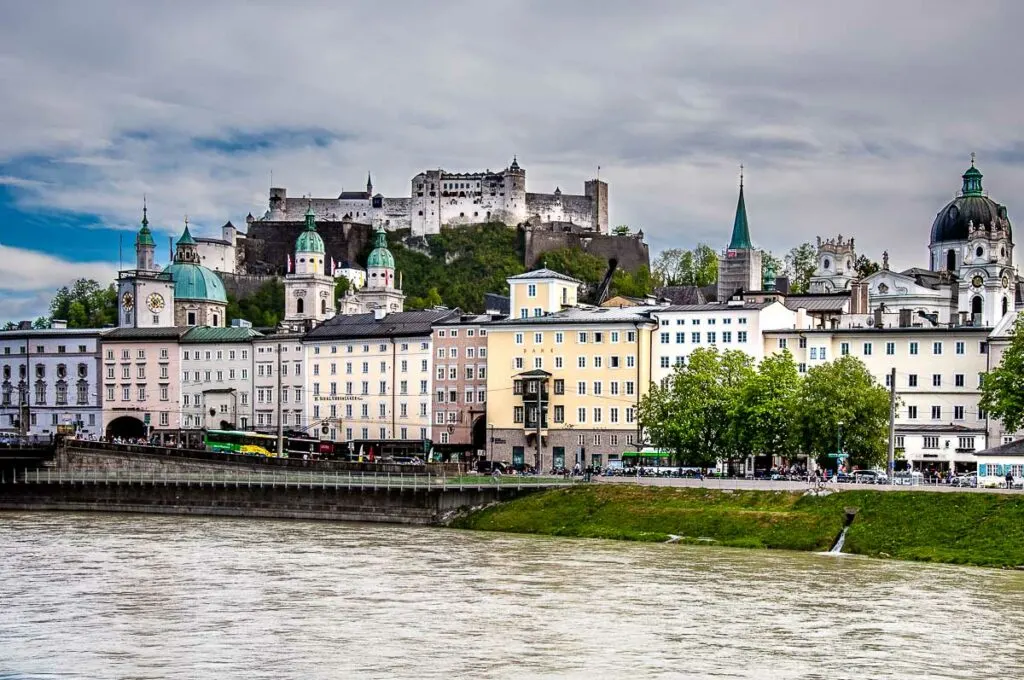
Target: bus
x=245, y=443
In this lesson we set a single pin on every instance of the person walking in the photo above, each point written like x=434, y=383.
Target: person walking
x=1009, y=480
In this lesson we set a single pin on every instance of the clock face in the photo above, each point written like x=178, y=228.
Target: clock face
x=1006, y=281
x=128, y=301
x=155, y=302
x=977, y=281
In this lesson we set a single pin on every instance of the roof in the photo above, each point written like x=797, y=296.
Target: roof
x=542, y=273
x=681, y=295
x=166, y=333
x=953, y=330
x=835, y=302
x=186, y=238
x=535, y=373
x=52, y=332
x=353, y=195
x=398, y=324
x=216, y=334
x=1004, y=329
x=196, y=282
x=309, y=241
x=1014, y=448
x=585, y=315
x=218, y=241
x=740, y=229
x=937, y=427
x=953, y=222
x=469, y=319
x=499, y=303
x=713, y=307
x=380, y=256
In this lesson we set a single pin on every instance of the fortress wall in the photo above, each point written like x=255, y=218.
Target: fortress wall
x=631, y=252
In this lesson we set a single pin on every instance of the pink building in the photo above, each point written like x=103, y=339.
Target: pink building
x=141, y=383
x=460, y=385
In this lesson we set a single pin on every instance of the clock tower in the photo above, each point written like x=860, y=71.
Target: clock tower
x=145, y=296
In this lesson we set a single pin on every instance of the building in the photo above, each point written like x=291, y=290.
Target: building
x=460, y=383
x=368, y=376
x=938, y=377
x=382, y=290
x=221, y=254
x=837, y=266
x=540, y=292
x=50, y=378
x=739, y=268
x=279, y=384
x=142, y=383
x=216, y=380
x=309, y=287
x=438, y=198
x=734, y=325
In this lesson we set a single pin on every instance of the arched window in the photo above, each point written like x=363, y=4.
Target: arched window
x=1006, y=305
x=951, y=261
x=216, y=320
x=976, y=305
x=300, y=306
x=979, y=251
x=825, y=264
x=323, y=306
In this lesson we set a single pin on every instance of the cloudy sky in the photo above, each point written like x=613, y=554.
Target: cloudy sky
x=850, y=117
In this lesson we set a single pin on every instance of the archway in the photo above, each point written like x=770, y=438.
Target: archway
x=479, y=434
x=126, y=427
x=299, y=305
x=951, y=261
x=976, y=304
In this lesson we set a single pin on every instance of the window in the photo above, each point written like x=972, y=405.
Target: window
x=581, y=362
x=958, y=413
x=538, y=362
x=517, y=414
x=782, y=343
x=559, y=387
x=965, y=443
x=936, y=412
x=711, y=337
x=538, y=338
x=613, y=415
x=665, y=362
x=559, y=337
x=867, y=349
x=695, y=338
x=531, y=290
x=936, y=380
x=519, y=338
x=844, y=348
x=630, y=336
x=581, y=387
x=581, y=415
x=741, y=336
x=960, y=347
x=559, y=414
x=912, y=380
x=727, y=337
x=581, y=338
x=890, y=348
x=802, y=368
x=936, y=348
x=680, y=337
x=613, y=362
x=888, y=380
x=597, y=415
x=630, y=387
x=931, y=442
x=814, y=353
x=614, y=336
x=630, y=415
x=983, y=348
x=958, y=380
x=803, y=343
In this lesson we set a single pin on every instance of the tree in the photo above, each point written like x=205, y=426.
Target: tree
x=679, y=267
x=770, y=260
x=636, y=284
x=622, y=230
x=768, y=407
x=1002, y=390
x=577, y=263
x=84, y=305
x=865, y=267
x=430, y=300
x=801, y=262
x=844, y=391
x=341, y=287
x=264, y=308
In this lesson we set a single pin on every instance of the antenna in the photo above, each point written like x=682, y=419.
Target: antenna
x=741, y=175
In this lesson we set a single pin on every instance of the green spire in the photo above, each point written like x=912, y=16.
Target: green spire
x=145, y=237
x=186, y=238
x=740, y=230
x=380, y=256
x=972, y=181
x=310, y=219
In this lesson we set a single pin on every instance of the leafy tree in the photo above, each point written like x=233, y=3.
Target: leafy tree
x=1002, y=390
x=341, y=287
x=264, y=308
x=768, y=407
x=84, y=305
x=10, y=326
x=844, y=391
x=679, y=267
x=428, y=301
x=41, y=322
x=865, y=267
x=801, y=262
x=621, y=230
x=636, y=284
x=577, y=263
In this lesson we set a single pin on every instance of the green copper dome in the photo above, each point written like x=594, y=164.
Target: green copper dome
x=145, y=236
x=380, y=256
x=309, y=241
x=186, y=238
x=196, y=282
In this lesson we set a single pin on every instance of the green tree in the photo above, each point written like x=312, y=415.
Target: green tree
x=577, y=263
x=865, y=267
x=430, y=300
x=636, y=284
x=768, y=407
x=341, y=287
x=679, y=267
x=1002, y=390
x=85, y=305
x=801, y=262
x=622, y=230
x=844, y=391
x=264, y=308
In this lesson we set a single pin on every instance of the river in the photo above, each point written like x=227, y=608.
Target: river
x=132, y=596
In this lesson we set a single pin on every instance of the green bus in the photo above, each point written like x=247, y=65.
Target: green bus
x=244, y=443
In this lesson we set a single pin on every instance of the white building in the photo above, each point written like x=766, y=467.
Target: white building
x=938, y=375
x=221, y=254
x=382, y=290
x=734, y=325
x=50, y=378
x=216, y=379
x=369, y=376
x=309, y=288
x=279, y=384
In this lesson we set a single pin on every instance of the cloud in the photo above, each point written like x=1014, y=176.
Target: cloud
x=28, y=280
x=846, y=123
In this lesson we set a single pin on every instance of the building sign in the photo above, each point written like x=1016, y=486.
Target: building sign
x=337, y=397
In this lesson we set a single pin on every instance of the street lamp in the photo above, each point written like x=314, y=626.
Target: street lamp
x=490, y=444
x=839, y=447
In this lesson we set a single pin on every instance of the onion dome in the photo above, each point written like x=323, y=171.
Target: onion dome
x=380, y=256
x=309, y=241
x=971, y=206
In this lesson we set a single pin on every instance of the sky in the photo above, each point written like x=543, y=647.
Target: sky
x=852, y=118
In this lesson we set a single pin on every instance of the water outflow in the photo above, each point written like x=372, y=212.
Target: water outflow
x=838, y=547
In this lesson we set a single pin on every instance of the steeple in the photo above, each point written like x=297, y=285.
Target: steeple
x=186, y=249
x=369, y=184
x=145, y=246
x=310, y=218
x=740, y=230
x=972, y=181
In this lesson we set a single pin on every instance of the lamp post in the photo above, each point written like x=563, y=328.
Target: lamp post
x=839, y=447
x=490, y=444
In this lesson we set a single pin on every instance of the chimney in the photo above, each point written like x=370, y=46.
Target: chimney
x=858, y=298
x=878, y=317
x=58, y=324
x=905, y=318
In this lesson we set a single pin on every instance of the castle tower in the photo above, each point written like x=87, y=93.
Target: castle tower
x=837, y=261
x=597, y=192
x=309, y=290
x=740, y=268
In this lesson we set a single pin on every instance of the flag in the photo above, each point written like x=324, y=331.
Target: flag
x=288, y=269
x=332, y=267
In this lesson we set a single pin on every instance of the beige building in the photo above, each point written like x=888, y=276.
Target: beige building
x=460, y=384
x=541, y=292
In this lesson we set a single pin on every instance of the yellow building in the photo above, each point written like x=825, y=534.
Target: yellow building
x=540, y=292
x=582, y=369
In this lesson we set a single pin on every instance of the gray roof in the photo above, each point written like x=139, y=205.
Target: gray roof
x=871, y=330
x=53, y=332
x=585, y=315
x=938, y=427
x=682, y=295
x=543, y=273
x=397, y=324
x=168, y=333
x=499, y=303
x=1014, y=448
x=834, y=302
x=712, y=307
x=459, y=319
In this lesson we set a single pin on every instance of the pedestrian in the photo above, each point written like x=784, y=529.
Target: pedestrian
x=1009, y=480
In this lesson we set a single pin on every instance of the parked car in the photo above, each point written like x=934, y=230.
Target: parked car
x=844, y=478
x=870, y=477
x=968, y=480
x=908, y=478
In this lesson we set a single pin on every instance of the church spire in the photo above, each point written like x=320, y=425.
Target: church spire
x=972, y=180
x=740, y=229
x=369, y=184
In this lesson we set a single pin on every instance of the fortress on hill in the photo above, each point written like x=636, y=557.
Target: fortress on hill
x=440, y=199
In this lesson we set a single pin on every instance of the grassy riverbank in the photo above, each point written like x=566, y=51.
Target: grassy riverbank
x=960, y=528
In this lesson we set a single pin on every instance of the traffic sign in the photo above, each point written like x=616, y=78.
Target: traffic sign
x=838, y=455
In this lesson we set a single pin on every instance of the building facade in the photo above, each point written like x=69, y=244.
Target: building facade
x=309, y=287
x=142, y=383
x=216, y=380
x=50, y=378
x=460, y=383
x=279, y=384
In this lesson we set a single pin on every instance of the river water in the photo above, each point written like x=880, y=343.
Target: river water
x=125, y=596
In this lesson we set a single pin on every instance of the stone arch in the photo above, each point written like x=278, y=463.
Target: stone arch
x=126, y=427
x=976, y=304
x=300, y=306
x=951, y=260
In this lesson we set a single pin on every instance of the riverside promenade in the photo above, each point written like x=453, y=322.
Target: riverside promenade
x=786, y=485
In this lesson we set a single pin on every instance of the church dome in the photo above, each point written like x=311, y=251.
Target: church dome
x=310, y=241
x=971, y=206
x=196, y=282
x=380, y=256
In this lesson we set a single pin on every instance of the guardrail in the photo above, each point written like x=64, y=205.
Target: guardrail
x=297, y=479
